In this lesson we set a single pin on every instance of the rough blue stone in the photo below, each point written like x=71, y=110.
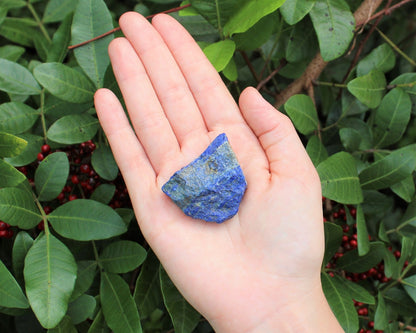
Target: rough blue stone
x=211, y=187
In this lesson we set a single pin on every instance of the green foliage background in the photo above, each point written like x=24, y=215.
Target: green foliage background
x=355, y=115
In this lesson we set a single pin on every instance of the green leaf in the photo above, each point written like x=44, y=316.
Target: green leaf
x=381, y=319
x=57, y=10
x=390, y=264
x=302, y=112
x=357, y=292
x=10, y=146
x=295, y=10
x=391, y=118
x=230, y=71
x=184, y=317
x=118, y=306
x=65, y=82
x=29, y=153
x=74, y=128
x=400, y=301
x=21, y=246
x=11, y=295
x=16, y=79
x=10, y=176
x=17, y=208
x=381, y=58
x=60, y=41
x=217, y=12
x=147, y=294
x=316, y=150
x=16, y=117
x=11, y=52
x=81, y=309
x=249, y=14
x=104, y=164
x=405, y=189
x=92, y=18
x=334, y=25
x=220, y=53
x=362, y=233
x=103, y=193
x=86, y=271
x=351, y=261
x=409, y=284
x=389, y=170
x=51, y=176
x=340, y=302
x=50, y=273
x=122, y=256
x=302, y=44
x=409, y=216
x=11, y=4
x=406, y=251
x=355, y=134
x=333, y=239
x=99, y=325
x=369, y=88
x=85, y=219
x=18, y=30
x=65, y=326
x=406, y=79
x=339, y=179
x=257, y=35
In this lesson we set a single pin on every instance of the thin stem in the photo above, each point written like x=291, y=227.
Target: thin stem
x=176, y=9
x=42, y=115
x=402, y=85
x=44, y=216
x=386, y=11
x=329, y=84
x=219, y=20
x=396, y=48
x=97, y=258
x=38, y=21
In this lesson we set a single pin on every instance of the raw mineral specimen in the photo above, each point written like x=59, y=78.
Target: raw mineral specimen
x=212, y=186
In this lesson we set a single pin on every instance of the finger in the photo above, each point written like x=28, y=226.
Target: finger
x=285, y=152
x=167, y=80
x=127, y=150
x=214, y=100
x=147, y=116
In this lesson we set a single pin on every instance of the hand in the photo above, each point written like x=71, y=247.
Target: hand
x=260, y=270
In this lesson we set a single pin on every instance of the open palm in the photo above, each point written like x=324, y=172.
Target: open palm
x=268, y=256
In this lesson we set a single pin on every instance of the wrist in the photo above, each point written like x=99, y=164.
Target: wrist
x=309, y=312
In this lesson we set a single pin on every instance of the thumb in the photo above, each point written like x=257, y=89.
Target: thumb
x=284, y=150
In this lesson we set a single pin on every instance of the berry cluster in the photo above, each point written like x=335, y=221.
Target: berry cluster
x=81, y=183
x=5, y=230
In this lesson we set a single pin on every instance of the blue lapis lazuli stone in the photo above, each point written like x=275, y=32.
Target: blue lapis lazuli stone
x=211, y=187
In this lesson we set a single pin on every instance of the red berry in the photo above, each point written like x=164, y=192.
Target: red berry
x=74, y=179
x=345, y=238
x=363, y=311
x=47, y=209
x=9, y=233
x=72, y=197
x=353, y=243
x=353, y=212
x=341, y=211
x=40, y=157
x=335, y=215
x=61, y=196
x=345, y=228
x=397, y=254
x=85, y=168
x=370, y=324
x=41, y=226
x=4, y=225
x=3, y=233
x=45, y=149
